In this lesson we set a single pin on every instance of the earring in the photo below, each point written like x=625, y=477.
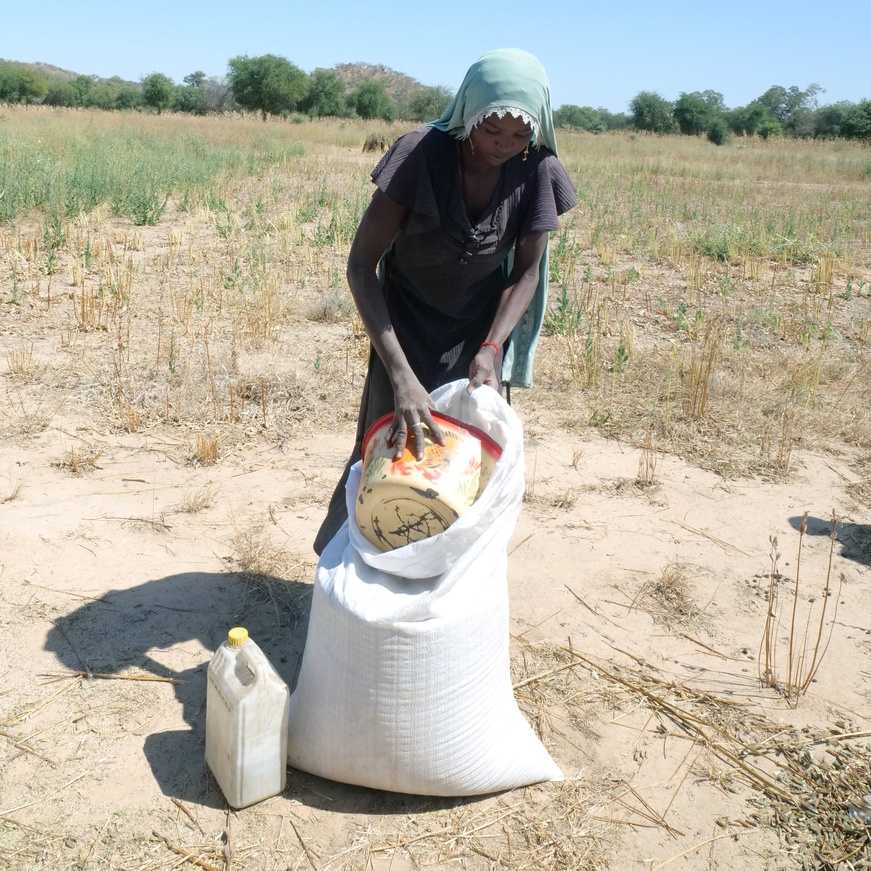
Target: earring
x=472, y=145
x=526, y=152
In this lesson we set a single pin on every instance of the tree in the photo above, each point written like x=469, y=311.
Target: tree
x=715, y=101
x=326, y=95
x=102, y=97
x=195, y=80
x=692, y=114
x=857, y=121
x=579, y=118
x=614, y=120
x=190, y=98
x=158, y=91
x=60, y=94
x=828, y=120
x=782, y=103
x=718, y=131
x=370, y=100
x=128, y=98
x=652, y=112
x=83, y=85
x=20, y=83
x=428, y=103
x=269, y=84
x=747, y=120
x=217, y=93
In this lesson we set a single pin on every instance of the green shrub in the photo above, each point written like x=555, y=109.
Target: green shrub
x=719, y=132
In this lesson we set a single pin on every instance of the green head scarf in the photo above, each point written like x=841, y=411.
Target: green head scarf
x=507, y=81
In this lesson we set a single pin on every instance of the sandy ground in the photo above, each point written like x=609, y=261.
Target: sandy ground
x=663, y=587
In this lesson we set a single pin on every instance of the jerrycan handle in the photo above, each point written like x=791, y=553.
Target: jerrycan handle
x=250, y=663
x=246, y=667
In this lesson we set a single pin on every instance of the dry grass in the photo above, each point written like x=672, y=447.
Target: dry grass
x=256, y=556
x=512, y=833
x=196, y=499
x=80, y=459
x=270, y=569
x=20, y=360
x=861, y=491
x=720, y=347
x=685, y=330
x=669, y=599
x=14, y=491
x=803, y=780
x=29, y=411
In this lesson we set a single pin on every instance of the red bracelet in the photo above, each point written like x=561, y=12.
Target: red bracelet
x=492, y=345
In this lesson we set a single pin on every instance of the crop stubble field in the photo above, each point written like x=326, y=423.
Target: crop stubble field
x=175, y=286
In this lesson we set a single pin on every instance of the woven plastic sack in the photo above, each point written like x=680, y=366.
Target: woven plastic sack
x=405, y=682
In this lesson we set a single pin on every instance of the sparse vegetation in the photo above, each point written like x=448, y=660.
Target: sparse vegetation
x=807, y=639
x=80, y=459
x=691, y=316
x=196, y=499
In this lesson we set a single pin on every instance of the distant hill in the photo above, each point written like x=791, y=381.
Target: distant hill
x=398, y=85
x=53, y=72
x=58, y=74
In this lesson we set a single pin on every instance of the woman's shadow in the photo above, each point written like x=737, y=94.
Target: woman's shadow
x=117, y=633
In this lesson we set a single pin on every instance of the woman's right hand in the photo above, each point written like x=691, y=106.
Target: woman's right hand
x=411, y=419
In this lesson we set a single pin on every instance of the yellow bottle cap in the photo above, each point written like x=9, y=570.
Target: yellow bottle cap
x=237, y=637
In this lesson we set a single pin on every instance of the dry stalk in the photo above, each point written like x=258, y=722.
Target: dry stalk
x=648, y=462
x=701, y=372
x=194, y=858
x=215, y=404
x=785, y=441
x=805, y=654
x=81, y=459
x=101, y=676
x=768, y=647
x=90, y=310
x=206, y=451
x=20, y=360
x=131, y=418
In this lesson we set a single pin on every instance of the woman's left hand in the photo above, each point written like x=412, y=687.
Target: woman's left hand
x=482, y=369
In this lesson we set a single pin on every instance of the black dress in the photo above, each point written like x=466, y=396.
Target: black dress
x=443, y=275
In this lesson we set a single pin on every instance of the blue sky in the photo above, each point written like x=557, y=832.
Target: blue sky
x=596, y=54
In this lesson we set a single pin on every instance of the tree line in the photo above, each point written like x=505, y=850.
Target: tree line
x=778, y=112
x=271, y=85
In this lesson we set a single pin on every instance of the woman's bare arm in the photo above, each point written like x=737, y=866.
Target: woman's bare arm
x=381, y=222
x=513, y=303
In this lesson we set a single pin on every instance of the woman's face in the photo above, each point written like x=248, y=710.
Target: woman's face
x=497, y=140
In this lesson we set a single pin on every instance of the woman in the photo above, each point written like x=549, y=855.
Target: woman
x=451, y=252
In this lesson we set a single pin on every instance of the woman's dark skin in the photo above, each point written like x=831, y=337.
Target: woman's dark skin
x=490, y=145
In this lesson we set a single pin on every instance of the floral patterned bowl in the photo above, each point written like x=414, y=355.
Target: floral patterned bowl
x=406, y=500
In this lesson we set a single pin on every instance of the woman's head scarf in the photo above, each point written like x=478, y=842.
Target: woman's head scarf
x=508, y=81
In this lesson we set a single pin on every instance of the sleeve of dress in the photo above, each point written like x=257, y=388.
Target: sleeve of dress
x=553, y=194
x=405, y=175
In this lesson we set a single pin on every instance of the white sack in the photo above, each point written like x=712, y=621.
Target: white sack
x=405, y=682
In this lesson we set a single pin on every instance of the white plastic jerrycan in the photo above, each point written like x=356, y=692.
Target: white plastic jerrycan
x=246, y=722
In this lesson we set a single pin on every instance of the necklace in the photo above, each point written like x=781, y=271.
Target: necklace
x=476, y=236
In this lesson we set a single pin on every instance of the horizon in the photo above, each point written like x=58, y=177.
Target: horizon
x=593, y=57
